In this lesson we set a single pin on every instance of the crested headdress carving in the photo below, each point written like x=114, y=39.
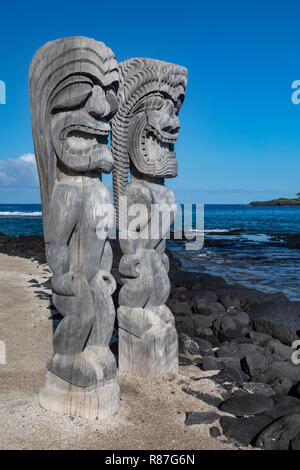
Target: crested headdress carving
x=139, y=77
x=51, y=65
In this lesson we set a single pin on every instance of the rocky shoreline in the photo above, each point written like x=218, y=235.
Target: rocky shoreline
x=242, y=335
x=283, y=203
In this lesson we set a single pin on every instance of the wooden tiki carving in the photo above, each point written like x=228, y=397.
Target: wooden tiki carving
x=73, y=87
x=144, y=132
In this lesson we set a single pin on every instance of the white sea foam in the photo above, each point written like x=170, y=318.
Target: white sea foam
x=214, y=230
x=21, y=214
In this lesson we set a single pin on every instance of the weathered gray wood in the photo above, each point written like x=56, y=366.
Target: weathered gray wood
x=145, y=130
x=73, y=83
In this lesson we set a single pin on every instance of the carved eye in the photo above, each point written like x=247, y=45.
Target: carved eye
x=155, y=102
x=179, y=103
x=152, y=102
x=72, y=96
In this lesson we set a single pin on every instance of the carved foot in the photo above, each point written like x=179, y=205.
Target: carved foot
x=92, y=403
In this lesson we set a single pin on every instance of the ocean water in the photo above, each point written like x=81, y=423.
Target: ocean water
x=238, y=243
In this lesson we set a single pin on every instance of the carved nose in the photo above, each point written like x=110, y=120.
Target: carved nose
x=171, y=122
x=97, y=106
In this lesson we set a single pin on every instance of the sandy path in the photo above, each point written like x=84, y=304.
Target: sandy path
x=152, y=412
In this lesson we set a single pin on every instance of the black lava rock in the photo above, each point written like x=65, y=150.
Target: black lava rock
x=259, y=338
x=242, y=403
x=214, y=432
x=295, y=443
x=231, y=375
x=260, y=388
x=213, y=340
x=281, y=386
x=279, y=349
x=277, y=435
x=188, y=345
x=279, y=318
x=231, y=321
x=204, y=307
x=254, y=363
x=219, y=363
x=244, y=430
x=232, y=335
x=185, y=361
x=234, y=349
x=202, y=321
x=278, y=370
x=229, y=300
x=284, y=406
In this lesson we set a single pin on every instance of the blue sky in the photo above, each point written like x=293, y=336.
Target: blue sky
x=240, y=136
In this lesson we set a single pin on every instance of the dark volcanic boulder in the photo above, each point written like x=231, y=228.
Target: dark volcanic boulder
x=277, y=436
x=259, y=338
x=231, y=321
x=235, y=349
x=279, y=349
x=203, y=307
x=212, y=339
x=195, y=346
x=284, y=406
x=183, y=327
x=229, y=300
x=232, y=375
x=279, y=318
x=244, y=430
x=228, y=350
x=179, y=292
x=254, y=363
x=295, y=443
x=243, y=404
x=281, y=386
x=203, y=344
x=202, y=321
x=188, y=344
x=206, y=295
x=257, y=387
x=185, y=361
x=219, y=363
x=248, y=296
x=214, y=432
x=279, y=370
x=232, y=335
x=180, y=308
x=204, y=331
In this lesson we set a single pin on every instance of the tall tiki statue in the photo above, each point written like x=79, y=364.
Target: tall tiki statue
x=73, y=86
x=144, y=132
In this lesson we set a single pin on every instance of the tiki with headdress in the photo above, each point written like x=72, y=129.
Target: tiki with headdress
x=73, y=87
x=144, y=132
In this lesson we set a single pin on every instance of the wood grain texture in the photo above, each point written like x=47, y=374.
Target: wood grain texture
x=73, y=84
x=145, y=130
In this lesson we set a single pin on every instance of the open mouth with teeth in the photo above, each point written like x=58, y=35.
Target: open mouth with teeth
x=158, y=145
x=83, y=142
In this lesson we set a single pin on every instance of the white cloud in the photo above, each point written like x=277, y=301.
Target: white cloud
x=19, y=172
x=28, y=157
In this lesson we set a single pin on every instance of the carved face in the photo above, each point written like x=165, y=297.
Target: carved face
x=153, y=131
x=81, y=109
